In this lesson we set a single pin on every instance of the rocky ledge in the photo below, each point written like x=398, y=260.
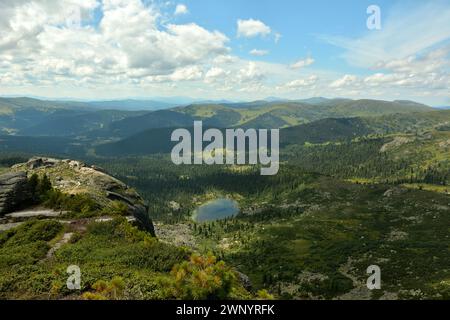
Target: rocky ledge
x=14, y=191
x=72, y=177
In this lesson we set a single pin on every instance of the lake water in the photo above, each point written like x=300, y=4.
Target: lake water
x=216, y=210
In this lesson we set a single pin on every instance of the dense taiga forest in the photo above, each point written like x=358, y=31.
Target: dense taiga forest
x=361, y=182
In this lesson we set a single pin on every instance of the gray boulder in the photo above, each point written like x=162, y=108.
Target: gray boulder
x=14, y=191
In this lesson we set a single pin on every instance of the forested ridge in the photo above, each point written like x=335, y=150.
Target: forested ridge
x=350, y=192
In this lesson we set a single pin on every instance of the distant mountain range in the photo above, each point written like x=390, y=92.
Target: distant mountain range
x=157, y=140
x=74, y=128
x=131, y=105
x=443, y=107
x=26, y=116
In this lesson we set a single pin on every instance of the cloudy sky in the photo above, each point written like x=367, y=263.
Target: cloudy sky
x=225, y=49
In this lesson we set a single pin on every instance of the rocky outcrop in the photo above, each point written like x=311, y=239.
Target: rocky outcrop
x=75, y=177
x=397, y=142
x=14, y=191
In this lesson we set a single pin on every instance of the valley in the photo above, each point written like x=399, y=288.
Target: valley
x=361, y=182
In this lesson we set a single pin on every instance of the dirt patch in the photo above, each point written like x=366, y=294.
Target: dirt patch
x=65, y=239
x=397, y=142
x=178, y=234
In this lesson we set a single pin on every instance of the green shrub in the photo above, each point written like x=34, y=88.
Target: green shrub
x=23, y=254
x=334, y=285
x=27, y=243
x=118, y=208
x=111, y=290
x=43, y=193
x=78, y=203
x=202, y=278
x=76, y=236
x=30, y=231
x=44, y=185
x=118, y=244
x=264, y=295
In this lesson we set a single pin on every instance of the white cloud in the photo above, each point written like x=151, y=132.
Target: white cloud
x=259, y=53
x=302, y=63
x=225, y=59
x=187, y=73
x=251, y=28
x=433, y=61
x=413, y=77
x=135, y=50
x=127, y=45
x=250, y=73
x=345, y=81
x=430, y=70
x=214, y=74
x=181, y=9
x=299, y=83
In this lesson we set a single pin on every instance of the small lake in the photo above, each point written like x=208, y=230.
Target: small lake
x=215, y=210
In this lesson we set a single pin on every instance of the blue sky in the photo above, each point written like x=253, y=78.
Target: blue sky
x=299, y=23
x=217, y=49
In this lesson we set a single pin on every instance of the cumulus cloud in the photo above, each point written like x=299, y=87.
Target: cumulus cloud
x=214, y=74
x=415, y=76
x=127, y=44
x=345, y=81
x=180, y=45
x=190, y=73
x=298, y=83
x=252, y=28
x=302, y=63
x=250, y=73
x=134, y=48
x=430, y=70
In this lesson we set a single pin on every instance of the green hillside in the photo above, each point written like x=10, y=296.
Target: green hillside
x=10, y=106
x=291, y=113
x=27, y=116
x=342, y=129
x=17, y=114
x=321, y=131
x=151, y=141
x=41, y=145
x=78, y=123
x=24, y=116
x=153, y=120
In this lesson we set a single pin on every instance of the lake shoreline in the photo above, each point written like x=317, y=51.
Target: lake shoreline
x=216, y=209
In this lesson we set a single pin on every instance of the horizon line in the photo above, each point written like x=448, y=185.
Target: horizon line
x=197, y=100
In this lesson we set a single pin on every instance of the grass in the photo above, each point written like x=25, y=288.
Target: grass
x=107, y=252
x=427, y=187
x=104, y=251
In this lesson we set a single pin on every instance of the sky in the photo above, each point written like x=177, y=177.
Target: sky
x=226, y=49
